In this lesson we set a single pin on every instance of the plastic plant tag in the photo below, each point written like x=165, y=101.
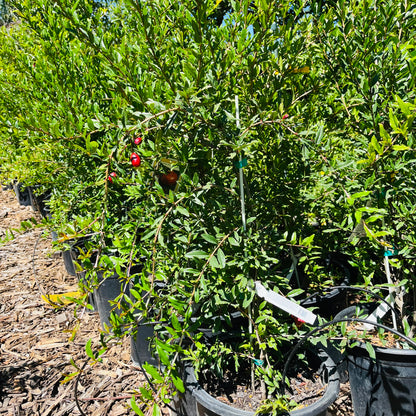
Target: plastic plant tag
x=379, y=312
x=285, y=304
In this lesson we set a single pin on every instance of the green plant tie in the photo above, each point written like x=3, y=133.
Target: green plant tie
x=241, y=163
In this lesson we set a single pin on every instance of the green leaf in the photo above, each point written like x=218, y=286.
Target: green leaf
x=360, y=195
x=213, y=262
x=145, y=393
x=148, y=235
x=295, y=292
x=370, y=350
x=209, y=238
x=308, y=240
x=182, y=211
x=200, y=254
x=233, y=241
x=178, y=383
x=406, y=327
x=401, y=147
x=163, y=355
x=319, y=135
x=248, y=299
x=175, y=322
x=152, y=371
x=376, y=146
x=384, y=134
x=221, y=258
x=135, y=294
x=88, y=349
x=135, y=408
x=404, y=107
x=156, y=410
x=394, y=122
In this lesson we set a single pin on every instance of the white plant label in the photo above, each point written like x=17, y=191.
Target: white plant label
x=285, y=304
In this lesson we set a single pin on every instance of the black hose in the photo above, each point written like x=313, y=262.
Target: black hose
x=359, y=289
x=76, y=387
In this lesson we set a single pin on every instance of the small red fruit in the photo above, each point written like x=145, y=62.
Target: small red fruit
x=169, y=178
x=285, y=117
x=138, y=140
x=135, y=160
x=112, y=175
x=298, y=322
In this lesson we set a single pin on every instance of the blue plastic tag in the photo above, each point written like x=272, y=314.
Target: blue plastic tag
x=392, y=252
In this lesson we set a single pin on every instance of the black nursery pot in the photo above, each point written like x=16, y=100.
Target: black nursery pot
x=198, y=402
x=385, y=385
x=331, y=303
x=22, y=194
x=140, y=345
x=68, y=261
x=109, y=288
x=327, y=305
x=143, y=332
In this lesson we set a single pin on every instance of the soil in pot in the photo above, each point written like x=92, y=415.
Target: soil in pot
x=306, y=386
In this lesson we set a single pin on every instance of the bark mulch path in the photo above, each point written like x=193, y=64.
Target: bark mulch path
x=36, y=348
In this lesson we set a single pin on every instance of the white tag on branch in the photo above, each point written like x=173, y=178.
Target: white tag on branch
x=285, y=304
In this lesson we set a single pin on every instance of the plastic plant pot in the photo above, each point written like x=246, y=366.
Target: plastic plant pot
x=140, y=345
x=384, y=385
x=109, y=288
x=68, y=261
x=22, y=194
x=334, y=300
x=198, y=402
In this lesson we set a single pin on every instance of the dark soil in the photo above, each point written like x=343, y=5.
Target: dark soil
x=306, y=387
x=38, y=341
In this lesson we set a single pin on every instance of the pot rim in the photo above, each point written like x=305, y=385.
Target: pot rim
x=315, y=409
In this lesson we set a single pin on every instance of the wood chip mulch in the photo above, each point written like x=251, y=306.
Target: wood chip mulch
x=35, y=346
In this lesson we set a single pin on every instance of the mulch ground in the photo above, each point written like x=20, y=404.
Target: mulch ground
x=36, y=348
x=40, y=345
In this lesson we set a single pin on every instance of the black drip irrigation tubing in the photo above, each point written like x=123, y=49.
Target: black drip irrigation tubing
x=358, y=289
x=326, y=324
x=76, y=387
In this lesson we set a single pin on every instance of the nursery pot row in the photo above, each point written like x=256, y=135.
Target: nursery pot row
x=108, y=288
